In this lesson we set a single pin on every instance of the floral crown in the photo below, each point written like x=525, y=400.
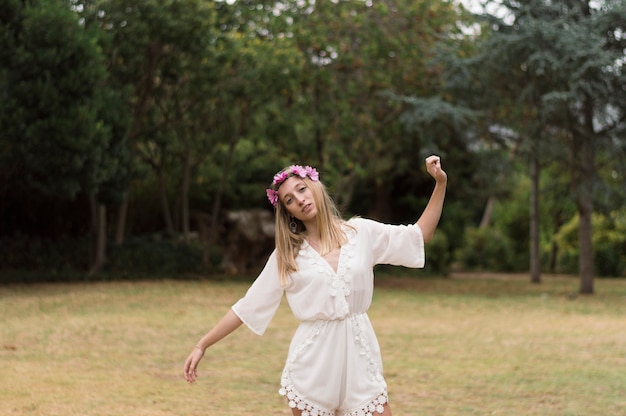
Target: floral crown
x=293, y=170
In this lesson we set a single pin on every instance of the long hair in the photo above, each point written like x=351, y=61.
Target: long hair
x=329, y=225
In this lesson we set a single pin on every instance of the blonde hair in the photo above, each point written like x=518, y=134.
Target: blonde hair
x=329, y=226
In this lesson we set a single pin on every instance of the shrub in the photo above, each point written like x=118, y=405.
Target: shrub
x=438, y=256
x=67, y=258
x=149, y=255
x=609, y=244
x=485, y=249
x=44, y=254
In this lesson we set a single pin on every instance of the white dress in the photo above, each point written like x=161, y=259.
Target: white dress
x=334, y=364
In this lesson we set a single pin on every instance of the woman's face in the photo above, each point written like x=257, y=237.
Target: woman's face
x=297, y=198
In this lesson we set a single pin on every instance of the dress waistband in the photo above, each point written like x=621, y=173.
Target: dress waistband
x=343, y=318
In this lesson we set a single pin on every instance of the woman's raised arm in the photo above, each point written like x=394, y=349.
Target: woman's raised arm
x=432, y=213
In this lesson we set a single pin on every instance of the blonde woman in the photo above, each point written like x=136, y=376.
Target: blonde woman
x=324, y=266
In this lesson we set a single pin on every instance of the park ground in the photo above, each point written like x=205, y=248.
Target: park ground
x=469, y=344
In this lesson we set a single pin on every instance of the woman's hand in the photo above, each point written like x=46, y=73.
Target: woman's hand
x=433, y=167
x=225, y=326
x=191, y=364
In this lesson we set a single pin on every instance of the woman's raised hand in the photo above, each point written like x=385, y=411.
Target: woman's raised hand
x=433, y=167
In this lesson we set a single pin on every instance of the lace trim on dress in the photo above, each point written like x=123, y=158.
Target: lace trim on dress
x=295, y=402
x=364, y=347
x=376, y=405
x=308, y=409
x=341, y=282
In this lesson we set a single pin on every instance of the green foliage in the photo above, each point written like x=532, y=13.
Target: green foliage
x=486, y=249
x=512, y=220
x=354, y=54
x=52, y=126
x=609, y=241
x=154, y=256
x=551, y=74
x=438, y=255
x=157, y=98
x=566, y=239
x=139, y=256
x=42, y=254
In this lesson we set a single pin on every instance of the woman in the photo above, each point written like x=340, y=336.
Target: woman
x=324, y=266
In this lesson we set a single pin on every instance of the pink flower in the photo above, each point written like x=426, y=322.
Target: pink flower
x=312, y=173
x=272, y=195
x=298, y=170
x=280, y=177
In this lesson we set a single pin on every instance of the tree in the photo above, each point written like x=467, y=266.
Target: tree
x=200, y=77
x=54, y=123
x=563, y=61
x=357, y=56
x=163, y=56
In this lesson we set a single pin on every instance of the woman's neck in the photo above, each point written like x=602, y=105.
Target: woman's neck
x=312, y=231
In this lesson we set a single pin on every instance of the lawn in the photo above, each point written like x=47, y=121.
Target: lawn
x=465, y=345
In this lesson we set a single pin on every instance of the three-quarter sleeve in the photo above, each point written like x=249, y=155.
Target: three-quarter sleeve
x=257, y=308
x=398, y=245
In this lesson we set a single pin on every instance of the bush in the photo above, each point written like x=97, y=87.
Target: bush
x=609, y=244
x=438, y=256
x=67, y=258
x=607, y=261
x=35, y=253
x=147, y=255
x=485, y=249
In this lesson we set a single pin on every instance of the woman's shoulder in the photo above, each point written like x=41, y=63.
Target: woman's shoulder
x=357, y=221
x=369, y=225
x=359, y=224
x=352, y=223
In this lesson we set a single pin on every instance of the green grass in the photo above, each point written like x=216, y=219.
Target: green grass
x=467, y=345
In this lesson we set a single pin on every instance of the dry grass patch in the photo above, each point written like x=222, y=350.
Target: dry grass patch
x=468, y=345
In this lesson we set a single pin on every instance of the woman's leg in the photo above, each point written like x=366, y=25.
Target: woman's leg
x=387, y=411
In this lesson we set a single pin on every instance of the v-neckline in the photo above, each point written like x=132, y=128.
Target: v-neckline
x=335, y=271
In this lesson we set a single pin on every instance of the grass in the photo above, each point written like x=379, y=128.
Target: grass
x=466, y=345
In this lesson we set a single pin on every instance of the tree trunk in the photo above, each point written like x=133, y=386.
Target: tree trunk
x=554, y=252
x=486, y=219
x=586, y=249
x=122, y=213
x=217, y=201
x=585, y=212
x=535, y=261
x=491, y=202
x=585, y=164
x=144, y=97
x=98, y=235
x=93, y=228
x=165, y=206
x=184, y=194
x=240, y=129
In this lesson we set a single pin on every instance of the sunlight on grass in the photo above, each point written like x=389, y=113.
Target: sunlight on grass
x=460, y=346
